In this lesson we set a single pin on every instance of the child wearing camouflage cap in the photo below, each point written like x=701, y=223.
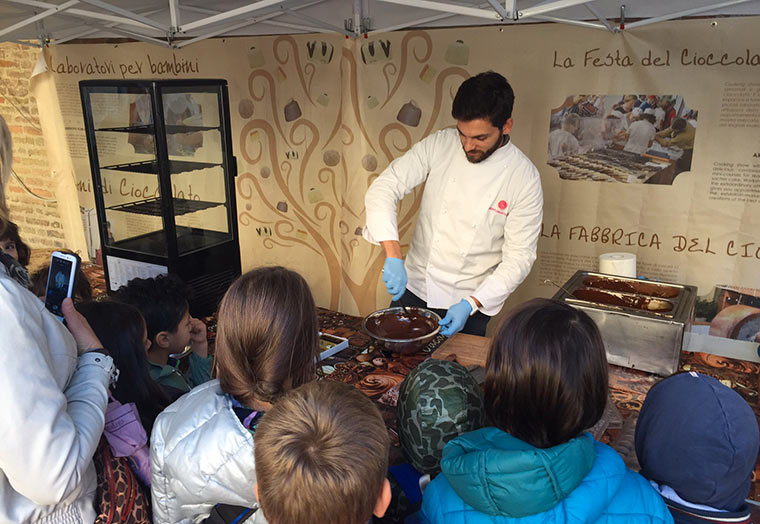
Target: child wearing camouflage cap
x=438, y=401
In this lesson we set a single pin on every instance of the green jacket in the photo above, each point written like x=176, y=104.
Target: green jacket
x=684, y=139
x=166, y=375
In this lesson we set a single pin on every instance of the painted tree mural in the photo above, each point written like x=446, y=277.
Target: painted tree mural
x=309, y=156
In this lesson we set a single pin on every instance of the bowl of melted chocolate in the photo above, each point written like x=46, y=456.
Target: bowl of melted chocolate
x=402, y=330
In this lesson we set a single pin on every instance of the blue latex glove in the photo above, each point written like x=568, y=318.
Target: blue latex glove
x=455, y=319
x=394, y=276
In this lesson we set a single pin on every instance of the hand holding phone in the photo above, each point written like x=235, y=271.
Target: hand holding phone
x=62, y=280
x=80, y=329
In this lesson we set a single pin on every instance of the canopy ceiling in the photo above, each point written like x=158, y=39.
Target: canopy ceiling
x=178, y=23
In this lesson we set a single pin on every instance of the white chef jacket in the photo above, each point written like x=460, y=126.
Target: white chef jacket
x=640, y=134
x=478, y=224
x=562, y=143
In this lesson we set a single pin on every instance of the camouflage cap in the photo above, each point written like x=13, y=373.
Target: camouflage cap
x=438, y=401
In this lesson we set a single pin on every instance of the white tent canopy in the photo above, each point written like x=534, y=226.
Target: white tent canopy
x=178, y=23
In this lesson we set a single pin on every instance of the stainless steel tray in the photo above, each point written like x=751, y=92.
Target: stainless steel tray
x=642, y=323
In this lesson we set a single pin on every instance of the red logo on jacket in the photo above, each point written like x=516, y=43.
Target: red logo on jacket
x=502, y=206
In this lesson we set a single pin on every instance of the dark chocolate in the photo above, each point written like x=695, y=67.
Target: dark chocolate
x=640, y=287
x=397, y=325
x=618, y=299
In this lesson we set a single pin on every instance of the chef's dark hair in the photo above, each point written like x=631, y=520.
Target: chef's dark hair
x=485, y=95
x=546, y=374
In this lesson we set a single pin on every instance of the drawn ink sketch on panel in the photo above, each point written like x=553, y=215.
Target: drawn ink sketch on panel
x=376, y=51
x=320, y=51
x=635, y=139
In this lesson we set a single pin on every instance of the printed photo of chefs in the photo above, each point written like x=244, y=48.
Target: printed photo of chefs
x=622, y=138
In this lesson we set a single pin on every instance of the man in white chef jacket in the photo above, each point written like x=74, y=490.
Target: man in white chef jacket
x=480, y=216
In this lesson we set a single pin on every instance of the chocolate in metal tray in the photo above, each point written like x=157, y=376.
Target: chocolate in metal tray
x=641, y=322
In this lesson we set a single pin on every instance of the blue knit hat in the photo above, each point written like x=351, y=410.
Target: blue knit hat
x=700, y=438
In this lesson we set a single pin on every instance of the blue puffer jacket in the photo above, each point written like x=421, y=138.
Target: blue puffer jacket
x=488, y=476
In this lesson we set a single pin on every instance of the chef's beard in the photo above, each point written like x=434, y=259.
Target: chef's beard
x=485, y=154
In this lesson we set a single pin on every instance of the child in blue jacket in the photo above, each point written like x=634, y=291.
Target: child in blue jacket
x=546, y=382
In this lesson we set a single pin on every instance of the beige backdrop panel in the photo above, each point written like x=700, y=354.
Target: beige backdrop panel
x=316, y=118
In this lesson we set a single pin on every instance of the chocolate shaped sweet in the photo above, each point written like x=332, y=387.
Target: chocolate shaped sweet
x=292, y=110
x=409, y=114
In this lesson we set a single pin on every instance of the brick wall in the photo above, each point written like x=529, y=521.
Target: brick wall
x=38, y=221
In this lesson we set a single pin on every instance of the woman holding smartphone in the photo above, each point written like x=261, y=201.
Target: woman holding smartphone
x=53, y=382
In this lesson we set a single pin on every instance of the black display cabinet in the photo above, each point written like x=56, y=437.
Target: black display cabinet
x=164, y=179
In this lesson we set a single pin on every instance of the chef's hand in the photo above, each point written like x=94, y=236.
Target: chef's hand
x=199, y=337
x=455, y=319
x=394, y=276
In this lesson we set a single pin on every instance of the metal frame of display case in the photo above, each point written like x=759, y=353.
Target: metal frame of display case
x=208, y=269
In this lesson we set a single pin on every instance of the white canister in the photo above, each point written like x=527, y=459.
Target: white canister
x=621, y=264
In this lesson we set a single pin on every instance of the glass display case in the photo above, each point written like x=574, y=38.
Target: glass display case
x=163, y=173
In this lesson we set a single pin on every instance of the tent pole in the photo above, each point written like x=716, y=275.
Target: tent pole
x=131, y=34
x=125, y=13
x=501, y=11
x=578, y=23
x=74, y=36
x=83, y=13
x=687, y=12
x=425, y=20
x=290, y=25
x=602, y=19
x=261, y=4
x=548, y=7
x=240, y=25
x=87, y=32
x=217, y=32
x=35, y=18
x=318, y=22
x=448, y=8
x=174, y=14
x=357, y=17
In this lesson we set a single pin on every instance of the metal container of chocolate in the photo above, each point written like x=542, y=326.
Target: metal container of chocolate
x=642, y=322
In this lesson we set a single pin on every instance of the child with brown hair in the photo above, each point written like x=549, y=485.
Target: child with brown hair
x=11, y=243
x=14, y=254
x=321, y=456
x=82, y=292
x=201, y=446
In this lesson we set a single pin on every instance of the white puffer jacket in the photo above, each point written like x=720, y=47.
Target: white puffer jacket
x=52, y=416
x=201, y=455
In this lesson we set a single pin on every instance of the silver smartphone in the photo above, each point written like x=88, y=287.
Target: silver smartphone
x=62, y=280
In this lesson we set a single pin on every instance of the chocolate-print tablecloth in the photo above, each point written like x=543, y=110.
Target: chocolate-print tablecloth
x=379, y=374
